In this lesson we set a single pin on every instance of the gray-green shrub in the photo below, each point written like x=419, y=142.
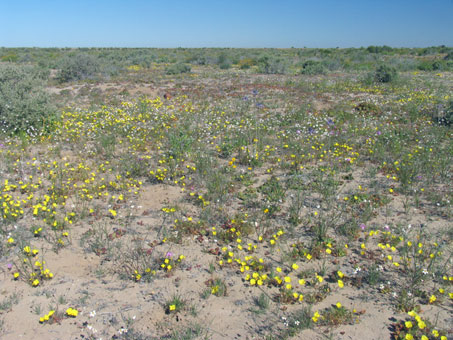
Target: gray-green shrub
x=25, y=107
x=313, y=67
x=178, y=69
x=271, y=65
x=78, y=67
x=385, y=74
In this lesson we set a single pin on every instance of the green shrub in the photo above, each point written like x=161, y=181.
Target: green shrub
x=78, y=67
x=385, y=74
x=436, y=65
x=313, y=67
x=223, y=62
x=379, y=49
x=11, y=57
x=449, y=56
x=271, y=65
x=449, y=65
x=225, y=65
x=246, y=63
x=178, y=69
x=25, y=107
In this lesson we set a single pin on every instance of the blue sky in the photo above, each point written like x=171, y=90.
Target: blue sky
x=223, y=23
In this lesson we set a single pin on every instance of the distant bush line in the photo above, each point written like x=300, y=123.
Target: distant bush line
x=90, y=63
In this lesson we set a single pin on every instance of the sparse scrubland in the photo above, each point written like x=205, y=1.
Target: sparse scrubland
x=226, y=193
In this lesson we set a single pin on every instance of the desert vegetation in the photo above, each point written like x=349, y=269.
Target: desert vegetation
x=226, y=193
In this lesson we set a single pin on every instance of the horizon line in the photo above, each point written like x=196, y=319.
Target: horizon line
x=227, y=47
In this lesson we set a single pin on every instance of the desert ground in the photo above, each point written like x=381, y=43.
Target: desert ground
x=229, y=194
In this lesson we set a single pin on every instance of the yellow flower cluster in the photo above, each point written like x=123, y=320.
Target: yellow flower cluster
x=72, y=312
x=46, y=317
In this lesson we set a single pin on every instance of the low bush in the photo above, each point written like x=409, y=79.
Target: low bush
x=225, y=65
x=271, y=65
x=246, y=63
x=379, y=49
x=25, y=107
x=385, y=74
x=313, y=67
x=178, y=69
x=11, y=57
x=449, y=56
x=78, y=67
x=436, y=65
